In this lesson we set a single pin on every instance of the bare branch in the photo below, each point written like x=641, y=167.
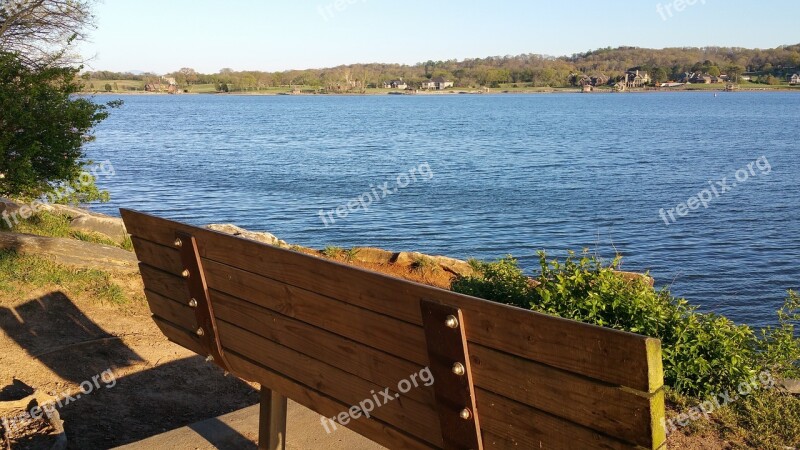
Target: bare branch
x=41, y=31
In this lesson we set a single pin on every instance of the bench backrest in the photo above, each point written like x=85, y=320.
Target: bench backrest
x=330, y=337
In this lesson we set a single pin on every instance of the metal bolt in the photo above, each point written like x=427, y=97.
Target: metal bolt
x=465, y=414
x=185, y=273
x=178, y=242
x=209, y=358
x=193, y=303
x=200, y=331
x=451, y=322
x=459, y=369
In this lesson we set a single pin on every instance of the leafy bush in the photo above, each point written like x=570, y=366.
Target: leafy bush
x=703, y=352
x=43, y=127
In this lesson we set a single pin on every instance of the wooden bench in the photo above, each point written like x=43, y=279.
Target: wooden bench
x=330, y=337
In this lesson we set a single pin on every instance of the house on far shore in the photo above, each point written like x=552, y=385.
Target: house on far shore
x=701, y=78
x=794, y=79
x=437, y=83
x=395, y=84
x=599, y=80
x=636, y=79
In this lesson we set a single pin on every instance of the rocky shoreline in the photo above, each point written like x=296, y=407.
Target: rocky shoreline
x=90, y=255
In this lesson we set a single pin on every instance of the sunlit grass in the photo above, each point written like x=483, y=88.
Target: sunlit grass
x=20, y=274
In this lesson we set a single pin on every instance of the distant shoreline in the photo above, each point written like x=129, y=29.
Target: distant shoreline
x=446, y=93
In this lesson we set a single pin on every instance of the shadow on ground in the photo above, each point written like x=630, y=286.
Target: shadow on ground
x=149, y=399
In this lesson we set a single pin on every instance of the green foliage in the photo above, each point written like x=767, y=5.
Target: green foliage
x=43, y=127
x=18, y=273
x=332, y=251
x=766, y=419
x=703, y=352
x=350, y=255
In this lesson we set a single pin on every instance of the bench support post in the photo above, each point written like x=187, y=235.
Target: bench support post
x=272, y=421
x=446, y=340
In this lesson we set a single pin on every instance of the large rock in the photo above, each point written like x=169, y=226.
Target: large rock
x=373, y=255
x=267, y=238
x=407, y=258
x=452, y=265
x=112, y=227
x=71, y=252
x=80, y=219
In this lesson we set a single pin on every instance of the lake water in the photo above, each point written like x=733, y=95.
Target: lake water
x=494, y=175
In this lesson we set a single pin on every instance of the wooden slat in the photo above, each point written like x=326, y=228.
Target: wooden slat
x=411, y=414
x=404, y=413
x=609, y=409
x=171, y=310
x=167, y=284
x=612, y=356
x=372, y=428
x=178, y=335
x=166, y=258
x=353, y=357
x=389, y=334
x=529, y=428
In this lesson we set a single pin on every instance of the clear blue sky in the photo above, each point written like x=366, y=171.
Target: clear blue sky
x=165, y=35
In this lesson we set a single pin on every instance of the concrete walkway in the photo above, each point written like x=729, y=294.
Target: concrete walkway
x=239, y=430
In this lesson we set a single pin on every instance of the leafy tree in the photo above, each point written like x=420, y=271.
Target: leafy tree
x=734, y=71
x=714, y=71
x=660, y=75
x=43, y=127
x=108, y=87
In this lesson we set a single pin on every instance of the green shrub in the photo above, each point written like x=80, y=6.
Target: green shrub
x=43, y=128
x=332, y=251
x=703, y=352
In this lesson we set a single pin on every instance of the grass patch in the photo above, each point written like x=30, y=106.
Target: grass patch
x=20, y=273
x=48, y=224
x=332, y=251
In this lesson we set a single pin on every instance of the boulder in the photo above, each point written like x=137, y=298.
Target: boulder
x=267, y=238
x=452, y=265
x=81, y=219
x=71, y=252
x=112, y=227
x=407, y=258
x=373, y=255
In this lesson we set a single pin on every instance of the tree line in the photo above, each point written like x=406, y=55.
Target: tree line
x=526, y=70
